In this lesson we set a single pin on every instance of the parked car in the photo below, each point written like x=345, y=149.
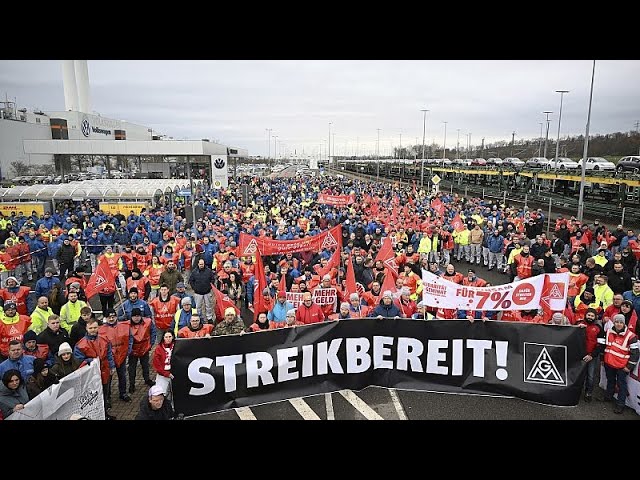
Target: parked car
x=538, y=162
x=629, y=164
x=563, y=163
x=495, y=161
x=513, y=162
x=480, y=162
x=597, y=163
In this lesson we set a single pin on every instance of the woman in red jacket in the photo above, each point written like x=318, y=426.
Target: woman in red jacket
x=162, y=361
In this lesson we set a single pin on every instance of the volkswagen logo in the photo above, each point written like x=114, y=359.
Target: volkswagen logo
x=85, y=127
x=219, y=162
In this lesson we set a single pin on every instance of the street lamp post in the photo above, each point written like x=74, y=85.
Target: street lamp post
x=193, y=193
x=329, y=147
x=546, y=138
x=444, y=146
x=400, y=151
x=334, y=147
x=275, y=148
x=540, y=142
x=586, y=147
x=378, y=156
x=458, y=145
x=424, y=131
x=269, y=142
x=561, y=92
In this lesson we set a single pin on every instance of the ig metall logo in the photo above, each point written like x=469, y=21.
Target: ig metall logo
x=545, y=364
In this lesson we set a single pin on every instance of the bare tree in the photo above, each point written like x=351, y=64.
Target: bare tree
x=20, y=168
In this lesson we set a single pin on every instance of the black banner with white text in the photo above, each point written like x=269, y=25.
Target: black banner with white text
x=541, y=363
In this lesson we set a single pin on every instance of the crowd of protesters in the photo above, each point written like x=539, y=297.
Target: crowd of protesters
x=178, y=280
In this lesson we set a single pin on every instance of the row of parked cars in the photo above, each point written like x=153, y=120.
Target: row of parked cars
x=626, y=164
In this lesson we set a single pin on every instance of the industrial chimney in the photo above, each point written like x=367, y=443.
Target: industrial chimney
x=82, y=81
x=70, y=87
x=75, y=75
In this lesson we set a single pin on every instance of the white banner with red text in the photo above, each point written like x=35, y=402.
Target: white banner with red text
x=542, y=291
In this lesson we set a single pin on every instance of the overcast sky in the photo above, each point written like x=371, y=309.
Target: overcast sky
x=234, y=102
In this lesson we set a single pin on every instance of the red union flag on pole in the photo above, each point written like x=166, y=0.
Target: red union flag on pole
x=250, y=245
x=100, y=279
x=260, y=283
x=388, y=257
x=548, y=291
x=222, y=302
x=554, y=294
x=438, y=207
x=336, y=200
x=351, y=286
x=457, y=224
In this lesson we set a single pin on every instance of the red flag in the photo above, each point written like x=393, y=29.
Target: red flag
x=282, y=287
x=457, y=224
x=351, y=278
x=100, y=279
x=222, y=303
x=389, y=281
x=552, y=292
x=334, y=262
x=438, y=207
x=388, y=257
x=260, y=283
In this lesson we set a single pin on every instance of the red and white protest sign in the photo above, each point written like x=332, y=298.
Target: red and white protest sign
x=325, y=296
x=522, y=295
x=250, y=245
x=336, y=200
x=294, y=298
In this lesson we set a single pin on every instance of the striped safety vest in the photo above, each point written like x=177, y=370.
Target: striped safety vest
x=616, y=352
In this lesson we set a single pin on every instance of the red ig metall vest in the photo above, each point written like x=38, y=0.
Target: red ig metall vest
x=12, y=331
x=165, y=311
x=141, y=337
x=19, y=298
x=616, y=352
x=118, y=335
x=97, y=349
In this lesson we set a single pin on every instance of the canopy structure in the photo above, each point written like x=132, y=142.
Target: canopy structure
x=102, y=189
